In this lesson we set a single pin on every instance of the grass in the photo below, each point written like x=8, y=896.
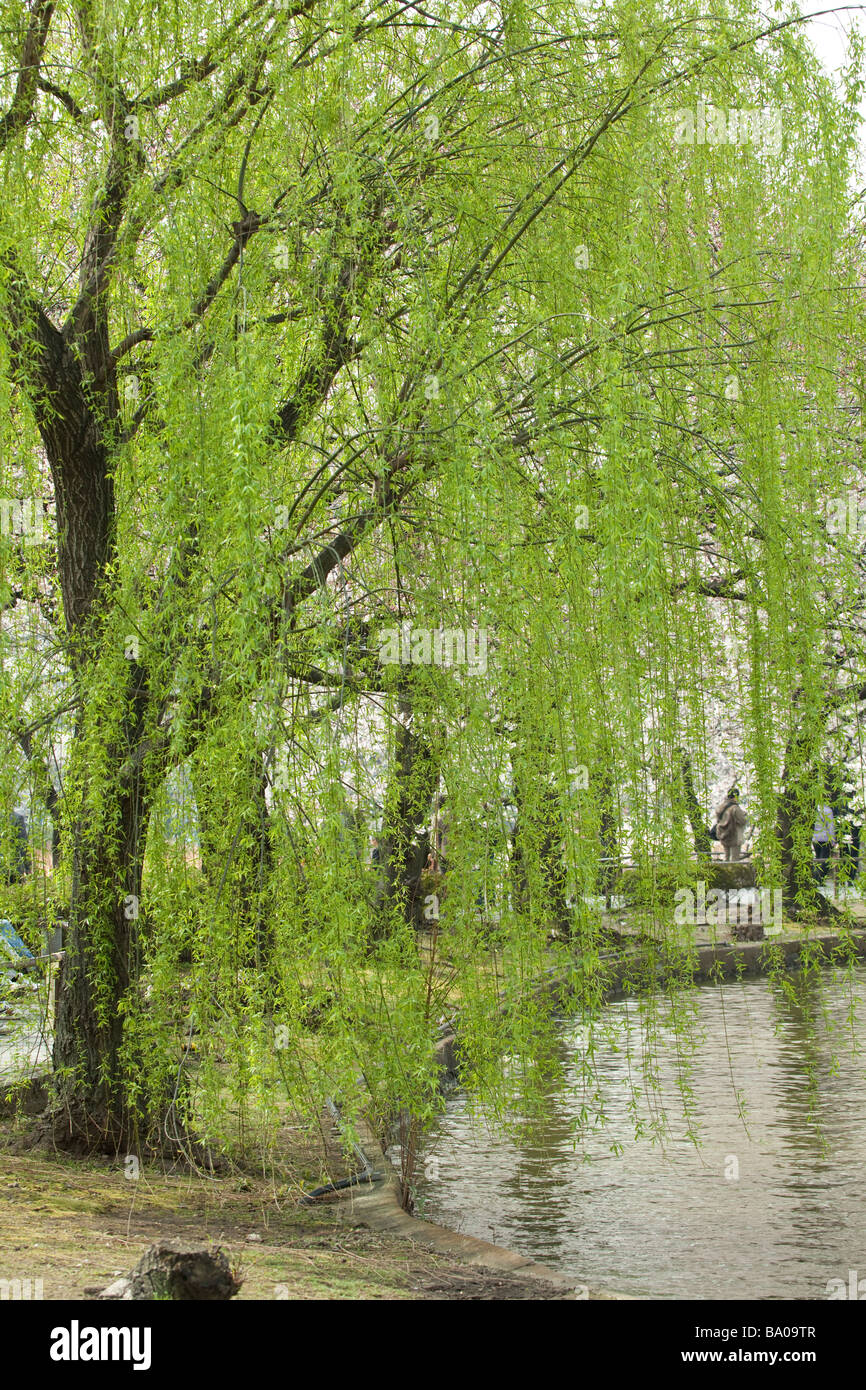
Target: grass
x=80, y=1224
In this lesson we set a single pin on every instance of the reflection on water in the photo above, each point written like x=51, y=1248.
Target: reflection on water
x=24, y=1045
x=771, y=1205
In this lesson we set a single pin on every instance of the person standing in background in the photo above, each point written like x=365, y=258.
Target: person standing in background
x=731, y=821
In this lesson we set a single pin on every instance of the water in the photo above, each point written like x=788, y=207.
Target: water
x=773, y=1203
x=24, y=1044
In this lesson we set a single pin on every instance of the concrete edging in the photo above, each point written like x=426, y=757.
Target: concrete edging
x=726, y=960
x=380, y=1206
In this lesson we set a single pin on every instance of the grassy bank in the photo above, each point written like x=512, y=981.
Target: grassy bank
x=79, y=1224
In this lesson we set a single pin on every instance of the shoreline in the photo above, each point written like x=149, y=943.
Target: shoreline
x=366, y=1215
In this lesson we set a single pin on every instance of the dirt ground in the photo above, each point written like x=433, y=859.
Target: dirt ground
x=79, y=1224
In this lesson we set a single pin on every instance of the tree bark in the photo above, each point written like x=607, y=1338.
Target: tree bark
x=700, y=830
x=795, y=818
x=413, y=782
x=101, y=963
x=537, y=866
x=609, y=868
x=237, y=850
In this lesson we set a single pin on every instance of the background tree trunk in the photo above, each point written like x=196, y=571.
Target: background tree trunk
x=700, y=830
x=537, y=864
x=413, y=782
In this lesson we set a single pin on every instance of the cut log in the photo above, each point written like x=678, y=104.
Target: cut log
x=181, y=1271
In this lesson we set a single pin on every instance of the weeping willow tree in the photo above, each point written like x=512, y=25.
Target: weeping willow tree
x=413, y=395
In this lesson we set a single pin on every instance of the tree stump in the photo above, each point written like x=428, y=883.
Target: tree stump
x=183, y=1271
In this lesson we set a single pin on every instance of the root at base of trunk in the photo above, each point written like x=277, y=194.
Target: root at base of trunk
x=74, y=1125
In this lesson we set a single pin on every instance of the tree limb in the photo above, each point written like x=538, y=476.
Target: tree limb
x=21, y=108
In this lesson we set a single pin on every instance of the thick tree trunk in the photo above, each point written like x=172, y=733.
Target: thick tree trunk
x=795, y=818
x=237, y=850
x=414, y=780
x=69, y=377
x=537, y=866
x=99, y=967
x=101, y=962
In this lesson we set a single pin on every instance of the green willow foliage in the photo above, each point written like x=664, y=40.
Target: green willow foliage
x=422, y=317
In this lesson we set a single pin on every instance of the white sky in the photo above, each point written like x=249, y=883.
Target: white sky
x=828, y=32
x=828, y=35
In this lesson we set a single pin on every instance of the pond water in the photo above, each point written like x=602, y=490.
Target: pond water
x=24, y=1044
x=770, y=1205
